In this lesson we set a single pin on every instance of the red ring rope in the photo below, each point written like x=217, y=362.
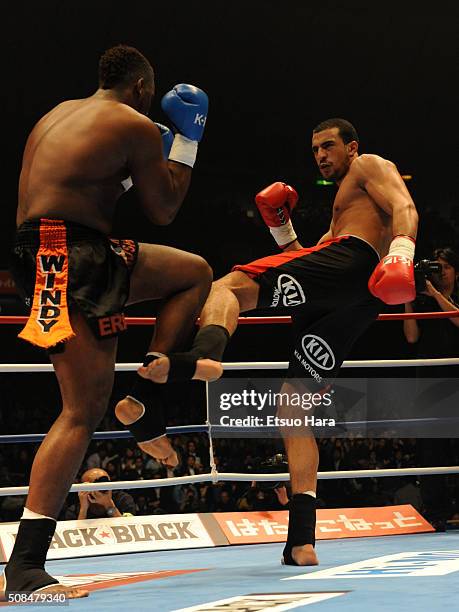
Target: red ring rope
x=397, y=316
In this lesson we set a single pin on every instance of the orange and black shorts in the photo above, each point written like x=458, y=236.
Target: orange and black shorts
x=59, y=264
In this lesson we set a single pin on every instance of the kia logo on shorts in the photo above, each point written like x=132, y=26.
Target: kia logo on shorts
x=291, y=290
x=318, y=351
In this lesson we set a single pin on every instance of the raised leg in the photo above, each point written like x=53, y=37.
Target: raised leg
x=183, y=280
x=229, y=296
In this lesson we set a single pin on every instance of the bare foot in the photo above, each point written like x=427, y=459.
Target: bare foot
x=128, y=411
x=208, y=370
x=305, y=555
x=70, y=592
x=158, y=370
x=162, y=450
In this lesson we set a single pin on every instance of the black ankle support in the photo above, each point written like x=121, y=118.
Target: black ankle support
x=25, y=571
x=209, y=343
x=301, y=524
x=182, y=366
x=152, y=424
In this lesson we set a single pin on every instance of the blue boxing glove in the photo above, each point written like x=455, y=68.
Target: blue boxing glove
x=168, y=139
x=186, y=106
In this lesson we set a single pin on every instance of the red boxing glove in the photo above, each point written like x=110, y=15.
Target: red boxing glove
x=275, y=204
x=392, y=280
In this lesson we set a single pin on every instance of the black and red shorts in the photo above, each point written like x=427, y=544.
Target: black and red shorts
x=57, y=264
x=325, y=289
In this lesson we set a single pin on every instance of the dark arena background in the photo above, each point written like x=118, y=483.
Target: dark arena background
x=272, y=71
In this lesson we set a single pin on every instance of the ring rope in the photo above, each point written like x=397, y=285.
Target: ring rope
x=252, y=365
x=284, y=320
x=103, y=435
x=369, y=363
x=207, y=428
x=237, y=477
x=214, y=476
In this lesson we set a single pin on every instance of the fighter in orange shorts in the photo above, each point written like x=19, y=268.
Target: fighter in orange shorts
x=79, y=159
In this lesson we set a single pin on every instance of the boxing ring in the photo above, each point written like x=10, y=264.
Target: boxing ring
x=376, y=573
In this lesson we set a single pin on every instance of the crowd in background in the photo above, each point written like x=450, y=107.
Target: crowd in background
x=122, y=460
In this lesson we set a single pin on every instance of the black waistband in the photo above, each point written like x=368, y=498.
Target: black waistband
x=28, y=234
x=360, y=243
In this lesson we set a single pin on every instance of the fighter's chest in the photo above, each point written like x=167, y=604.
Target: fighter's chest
x=349, y=195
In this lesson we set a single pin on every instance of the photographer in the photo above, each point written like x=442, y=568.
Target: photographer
x=267, y=495
x=100, y=504
x=435, y=338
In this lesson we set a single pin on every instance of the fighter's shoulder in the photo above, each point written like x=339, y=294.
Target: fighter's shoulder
x=54, y=112
x=135, y=125
x=125, y=116
x=368, y=164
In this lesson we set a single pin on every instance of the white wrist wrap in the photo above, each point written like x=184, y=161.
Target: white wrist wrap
x=402, y=246
x=283, y=234
x=184, y=150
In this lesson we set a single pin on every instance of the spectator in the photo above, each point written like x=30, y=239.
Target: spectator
x=98, y=459
x=435, y=338
x=154, y=506
x=409, y=493
x=373, y=463
x=139, y=468
x=225, y=502
x=192, y=466
x=100, y=504
x=141, y=505
x=153, y=466
x=191, y=451
x=112, y=471
x=127, y=460
x=282, y=496
x=190, y=501
x=383, y=452
x=398, y=460
x=206, y=501
x=129, y=472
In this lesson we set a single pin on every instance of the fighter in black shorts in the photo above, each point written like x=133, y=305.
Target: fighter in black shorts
x=326, y=289
x=331, y=289
x=78, y=161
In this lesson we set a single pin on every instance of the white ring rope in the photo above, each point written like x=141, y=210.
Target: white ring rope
x=237, y=477
x=214, y=476
x=252, y=365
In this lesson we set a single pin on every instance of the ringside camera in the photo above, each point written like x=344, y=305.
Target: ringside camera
x=425, y=269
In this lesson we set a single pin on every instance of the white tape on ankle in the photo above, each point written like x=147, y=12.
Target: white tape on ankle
x=311, y=493
x=29, y=514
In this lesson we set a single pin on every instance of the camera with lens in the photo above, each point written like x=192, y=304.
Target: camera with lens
x=425, y=269
x=277, y=464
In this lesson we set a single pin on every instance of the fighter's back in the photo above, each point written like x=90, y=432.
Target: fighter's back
x=74, y=161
